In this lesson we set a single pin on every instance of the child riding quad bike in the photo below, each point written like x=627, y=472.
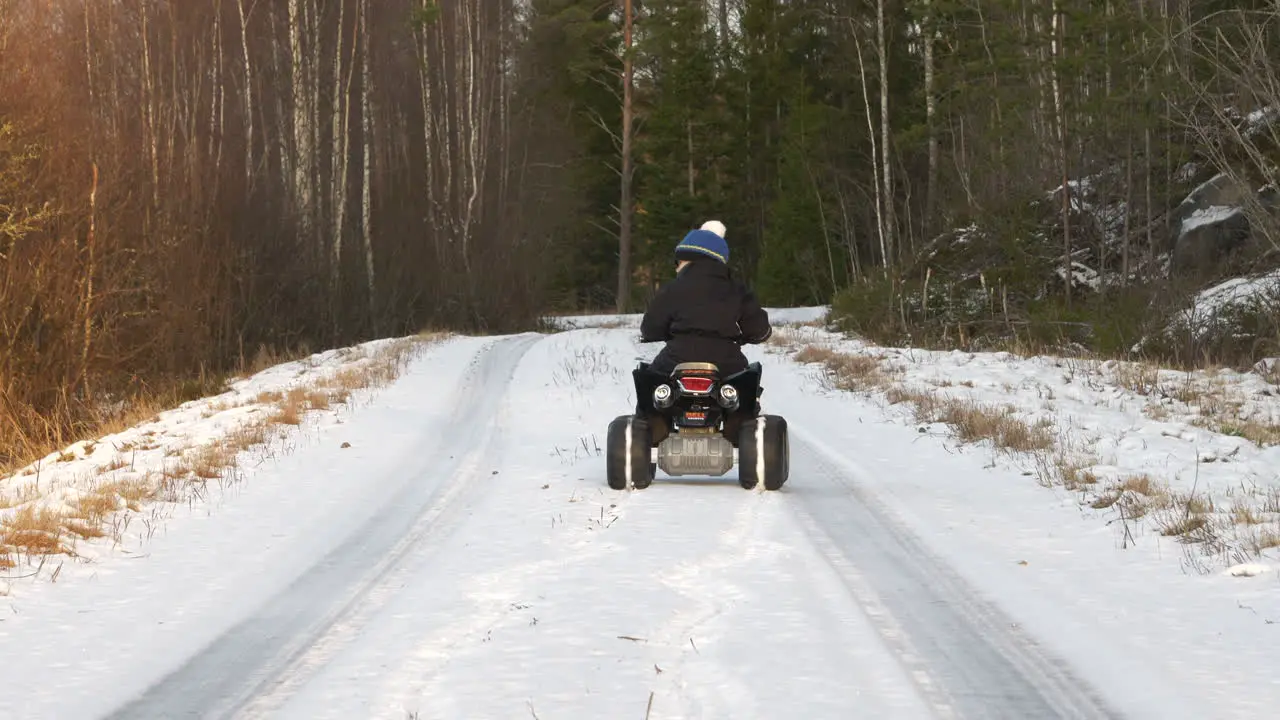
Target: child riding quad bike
x=699, y=400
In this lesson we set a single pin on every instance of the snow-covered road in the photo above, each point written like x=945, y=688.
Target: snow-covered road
x=462, y=557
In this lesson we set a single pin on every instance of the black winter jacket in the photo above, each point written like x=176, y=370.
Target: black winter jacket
x=704, y=315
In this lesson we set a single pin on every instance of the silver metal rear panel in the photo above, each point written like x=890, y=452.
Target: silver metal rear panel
x=695, y=455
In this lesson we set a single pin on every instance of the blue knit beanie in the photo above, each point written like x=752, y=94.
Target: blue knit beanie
x=703, y=243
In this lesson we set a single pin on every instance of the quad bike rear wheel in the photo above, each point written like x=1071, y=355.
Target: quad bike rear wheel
x=764, y=453
x=627, y=453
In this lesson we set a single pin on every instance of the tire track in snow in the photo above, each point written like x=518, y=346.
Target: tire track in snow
x=966, y=657
x=294, y=633
x=710, y=592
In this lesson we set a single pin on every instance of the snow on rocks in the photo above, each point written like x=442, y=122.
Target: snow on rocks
x=1215, y=307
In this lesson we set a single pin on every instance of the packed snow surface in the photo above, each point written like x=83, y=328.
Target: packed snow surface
x=446, y=547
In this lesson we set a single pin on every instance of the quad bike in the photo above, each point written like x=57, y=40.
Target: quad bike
x=694, y=422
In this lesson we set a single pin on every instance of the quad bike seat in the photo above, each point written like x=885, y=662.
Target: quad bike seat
x=696, y=367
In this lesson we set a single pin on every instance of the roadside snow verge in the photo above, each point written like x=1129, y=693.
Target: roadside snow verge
x=1193, y=456
x=97, y=497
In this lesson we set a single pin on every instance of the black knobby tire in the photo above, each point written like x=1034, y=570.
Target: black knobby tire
x=617, y=458
x=768, y=454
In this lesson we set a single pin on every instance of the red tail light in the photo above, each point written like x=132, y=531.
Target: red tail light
x=695, y=384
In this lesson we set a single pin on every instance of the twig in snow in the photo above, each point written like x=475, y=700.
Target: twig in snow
x=649, y=708
x=1194, y=484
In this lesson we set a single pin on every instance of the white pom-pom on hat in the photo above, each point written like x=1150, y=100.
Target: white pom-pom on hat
x=714, y=226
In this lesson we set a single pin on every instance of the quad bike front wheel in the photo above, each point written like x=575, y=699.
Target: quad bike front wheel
x=627, y=452
x=764, y=453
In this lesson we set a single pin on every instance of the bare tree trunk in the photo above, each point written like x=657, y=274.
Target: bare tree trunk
x=217, y=112
x=931, y=111
x=471, y=123
x=341, y=151
x=875, y=165
x=303, y=154
x=88, y=59
x=366, y=201
x=891, y=229
x=996, y=110
x=504, y=115
x=313, y=111
x=429, y=134
x=149, y=112
x=1060, y=123
x=1038, y=61
x=1125, y=267
x=248, y=97
x=624, y=209
x=283, y=104
x=91, y=269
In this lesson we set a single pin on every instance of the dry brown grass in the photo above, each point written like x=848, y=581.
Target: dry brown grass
x=210, y=462
x=83, y=530
x=248, y=435
x=847, y=371
x=1075, y=475
x=1143, y=484
x=132, y=492
x=1001, y=426
x=975, y=422
x=925, y=404
x=1135, y=496
x=1268, y=539
x=29, y=531
x=1139, y=378
x=95, y=506
x=1243, y=513
x=1185, y=526
x=291, y=408
x=318, y=400
x=1260, y=434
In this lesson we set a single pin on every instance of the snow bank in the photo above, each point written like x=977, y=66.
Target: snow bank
x=88, y=493
x=1207, y=442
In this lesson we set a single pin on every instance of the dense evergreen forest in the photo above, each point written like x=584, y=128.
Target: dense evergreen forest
x=184, y=183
